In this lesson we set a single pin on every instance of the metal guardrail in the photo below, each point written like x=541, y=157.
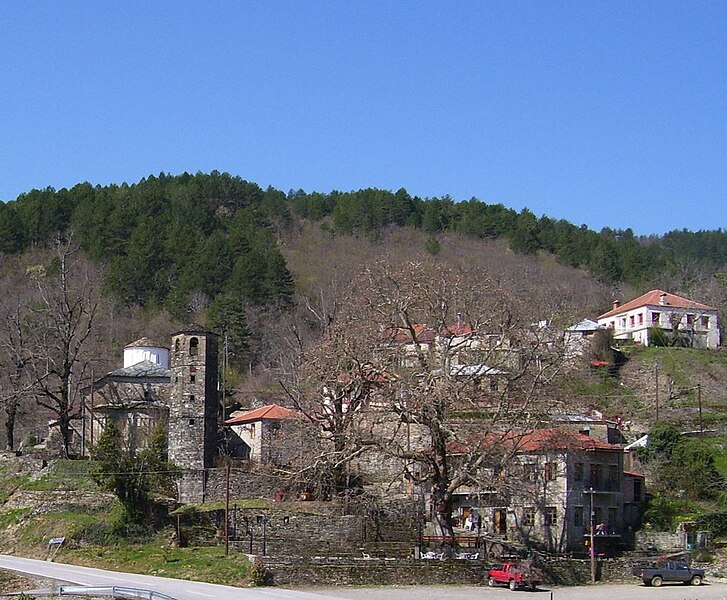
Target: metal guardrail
x=115, y=591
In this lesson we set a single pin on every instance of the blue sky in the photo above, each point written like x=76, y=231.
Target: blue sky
x=602, y=113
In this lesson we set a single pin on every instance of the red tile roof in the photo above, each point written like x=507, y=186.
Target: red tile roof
x=423, y=333
x=271, y=412
x=402, y=335
x=560, y=439
x=458, y=329
x=653, y=298
x=537, y=440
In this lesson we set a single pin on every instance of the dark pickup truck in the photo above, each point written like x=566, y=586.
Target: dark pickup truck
x=670, y=571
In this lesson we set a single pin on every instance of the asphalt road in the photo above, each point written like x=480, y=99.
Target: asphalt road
x=191, y=590
x=177, y=588
x=713, y=591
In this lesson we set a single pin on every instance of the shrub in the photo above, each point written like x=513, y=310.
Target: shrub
x=258, y=575
x=664, y=513
x=715, y=522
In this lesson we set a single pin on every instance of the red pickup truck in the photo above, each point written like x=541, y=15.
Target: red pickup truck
x=514, y=576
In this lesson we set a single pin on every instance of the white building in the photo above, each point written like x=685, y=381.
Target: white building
x=260, y=434
x=696, y=324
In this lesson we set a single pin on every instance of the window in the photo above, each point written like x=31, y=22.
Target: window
x=596, y=476
x=252, y=430
x=193, y=346
x=529, y=471
x=705, y=322
x=690, y=319
x=528, y=516
x=632, y=321
x=641, y=318
x=578, y=471
x=611, y=519
x=551, y=515
x=655, y=317
x=623, y=323
x=613, y=483
x=192, y=378
x=191, y=421
x=191, y=398
x=551, y=471
x=578, y=516
x=176, y=345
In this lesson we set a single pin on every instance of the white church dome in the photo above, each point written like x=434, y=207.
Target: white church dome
x=146, y=349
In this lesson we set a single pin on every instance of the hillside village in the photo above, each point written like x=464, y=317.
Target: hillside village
x=523, y=473
x=409, y=399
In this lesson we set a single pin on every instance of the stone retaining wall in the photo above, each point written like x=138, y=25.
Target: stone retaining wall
x=343, y=571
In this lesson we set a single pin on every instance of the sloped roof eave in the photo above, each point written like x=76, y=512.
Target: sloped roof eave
x=651, y=299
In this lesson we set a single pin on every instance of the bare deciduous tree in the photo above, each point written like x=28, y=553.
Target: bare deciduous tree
x=58, y=324
x=424, y=369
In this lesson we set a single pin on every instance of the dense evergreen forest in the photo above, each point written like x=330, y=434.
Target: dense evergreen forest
x=167, y=238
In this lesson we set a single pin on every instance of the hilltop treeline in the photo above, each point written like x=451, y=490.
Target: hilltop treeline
x=168, y=238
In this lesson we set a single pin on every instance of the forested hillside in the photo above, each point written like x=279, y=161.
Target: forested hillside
x=168, y=237
x=302, y=286
x=265, y=265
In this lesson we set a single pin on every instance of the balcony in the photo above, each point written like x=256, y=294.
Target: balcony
x=607, y=486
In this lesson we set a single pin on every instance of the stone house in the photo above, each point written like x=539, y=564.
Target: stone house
x=577, y=338
x=265, y=435
x=558, y=484
x=457, y=348
x=696, y=324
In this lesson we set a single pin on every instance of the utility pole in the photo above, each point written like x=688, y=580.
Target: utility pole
x=592, y=540
x=91, y=411
x=699, y=400
x=227, y=509
x=656, y=389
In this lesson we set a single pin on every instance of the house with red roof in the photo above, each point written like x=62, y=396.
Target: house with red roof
x=557, y=486
x=695, y=324
x=265, y=435
x=457, y=347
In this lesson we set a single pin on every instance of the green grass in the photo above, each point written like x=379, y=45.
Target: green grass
x=203, y=564
x=12, y=517
x=714, y=417
x=65, y=474
x=10, y=483
x=719, y=444
x=608, y=393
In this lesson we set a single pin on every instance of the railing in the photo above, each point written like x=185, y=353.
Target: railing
x=607, y=485
x=115, y=591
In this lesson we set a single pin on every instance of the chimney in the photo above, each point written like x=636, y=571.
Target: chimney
x=616, y=304
x=662, y=300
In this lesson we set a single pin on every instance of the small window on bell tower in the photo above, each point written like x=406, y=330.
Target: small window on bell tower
x=193, y=346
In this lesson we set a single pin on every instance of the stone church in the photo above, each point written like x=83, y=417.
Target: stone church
x=175, y=387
